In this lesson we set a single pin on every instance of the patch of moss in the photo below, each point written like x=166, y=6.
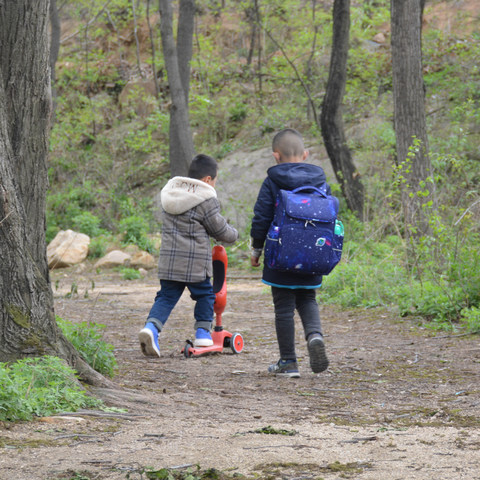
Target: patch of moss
x=270, y=471
x=16, y=443
x=18, y=315
x=269, y=430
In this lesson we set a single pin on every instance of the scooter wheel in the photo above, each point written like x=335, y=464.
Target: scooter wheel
x=236, y=343
x=186, y=350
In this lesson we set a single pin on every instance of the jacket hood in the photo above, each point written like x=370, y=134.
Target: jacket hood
x=289, y=176
x=183, y=193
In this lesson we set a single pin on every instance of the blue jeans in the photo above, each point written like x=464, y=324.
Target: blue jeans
x=169, y=294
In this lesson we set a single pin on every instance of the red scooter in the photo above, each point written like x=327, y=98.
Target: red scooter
x=221, y=338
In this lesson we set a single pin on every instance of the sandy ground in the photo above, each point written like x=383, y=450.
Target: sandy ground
x=397, y=402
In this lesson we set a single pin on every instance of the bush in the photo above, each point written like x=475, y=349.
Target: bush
x=471, y=318
x=38, y=387
x=440, y=281
x=130, y=274
x=134, y=229
x=368, y=275
x=87, y=223
x=98, y=245
x=86, y=337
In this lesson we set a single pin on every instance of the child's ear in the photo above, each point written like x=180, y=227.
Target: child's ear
x=276, y=155
x=210, y=180
x=305, y=154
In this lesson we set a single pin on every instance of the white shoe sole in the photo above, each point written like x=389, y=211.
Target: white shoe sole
x=202, y=342
x=147, y=343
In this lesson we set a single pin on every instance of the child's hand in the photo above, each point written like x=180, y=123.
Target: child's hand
x=254, y=261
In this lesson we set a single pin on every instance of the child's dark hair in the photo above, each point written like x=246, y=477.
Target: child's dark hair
x=288, y=142
x=202, y=166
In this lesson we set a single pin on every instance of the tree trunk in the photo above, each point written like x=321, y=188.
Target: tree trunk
x=27, y=318
x=55, y=31
x=331, y=122
x=177, y=63
x=409, y=113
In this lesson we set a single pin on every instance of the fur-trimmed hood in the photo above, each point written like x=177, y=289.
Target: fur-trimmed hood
x=183, y=193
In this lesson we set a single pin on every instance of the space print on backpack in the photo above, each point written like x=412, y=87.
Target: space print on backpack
x=305, y=235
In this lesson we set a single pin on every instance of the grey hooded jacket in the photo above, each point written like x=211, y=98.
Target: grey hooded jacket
x=191, y=215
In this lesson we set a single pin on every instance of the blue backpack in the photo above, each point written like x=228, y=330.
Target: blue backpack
x=305, y=235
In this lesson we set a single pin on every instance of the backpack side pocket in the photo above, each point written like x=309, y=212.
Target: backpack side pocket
x=271, y=246
x=337, y=244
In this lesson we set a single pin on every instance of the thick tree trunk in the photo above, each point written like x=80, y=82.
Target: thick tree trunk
x=27, y=319
x=331, y=122
x=409, y=113
x=177, y=62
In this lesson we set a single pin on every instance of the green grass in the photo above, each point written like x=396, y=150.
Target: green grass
x=39, y=387
x=87, y=338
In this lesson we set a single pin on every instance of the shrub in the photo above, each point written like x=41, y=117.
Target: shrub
x=86, y=337
x=38, y=387
x=87, y=223
x=134, y=229
x=98, y=245
x=471, y=318
x=130, y=273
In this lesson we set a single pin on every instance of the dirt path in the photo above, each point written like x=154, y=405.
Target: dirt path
x=396, y=402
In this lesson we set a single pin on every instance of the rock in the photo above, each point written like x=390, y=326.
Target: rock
x=67, y=248
x=143, y=260
x=112, y=259
x=379, y=38
x=241, y=175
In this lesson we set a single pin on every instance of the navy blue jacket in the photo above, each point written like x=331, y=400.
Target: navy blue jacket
x=285, y=176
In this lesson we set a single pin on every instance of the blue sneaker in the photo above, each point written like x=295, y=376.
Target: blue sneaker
x=202, y=338
x=285, y=368
x=148, y=337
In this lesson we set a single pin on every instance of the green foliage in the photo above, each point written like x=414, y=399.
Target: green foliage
x=471, y=317
x=130, y=274
x=135, y=231
x=369, y=273
x=134, y=228
x=98, y=245
x=71, y=207
x=269, y=430
x=108, y=159
x=38, y=387
x=435, y=277
x=87, y=338
x=88, y=223
x=192, y=473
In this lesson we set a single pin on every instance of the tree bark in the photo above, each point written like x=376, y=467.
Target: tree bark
x=27, y=318
x=409, y=113
x=177, y=62
x=152, y=46
x=55, y=31
x=331, y=122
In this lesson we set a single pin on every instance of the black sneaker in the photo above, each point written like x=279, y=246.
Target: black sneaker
x=318, y=356
x=285, y=368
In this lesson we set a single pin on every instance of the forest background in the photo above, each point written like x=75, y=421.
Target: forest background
x=109, y=143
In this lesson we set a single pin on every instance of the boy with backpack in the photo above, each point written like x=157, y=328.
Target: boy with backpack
x=191, y=215
x=291, y=290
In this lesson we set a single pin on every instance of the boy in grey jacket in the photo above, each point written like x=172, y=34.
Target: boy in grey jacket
x=191, y=215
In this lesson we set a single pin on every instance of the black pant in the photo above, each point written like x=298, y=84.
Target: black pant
x=286, y=300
